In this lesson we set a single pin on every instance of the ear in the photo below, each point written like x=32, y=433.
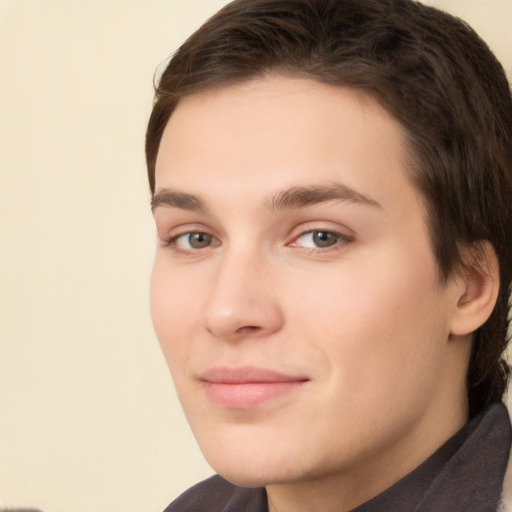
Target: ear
x=478, y=288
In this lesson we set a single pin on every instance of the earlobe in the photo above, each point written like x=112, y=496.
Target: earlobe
x=478, y=290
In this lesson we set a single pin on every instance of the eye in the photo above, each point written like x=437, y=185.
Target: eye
x=193, y=241
x=319, y=239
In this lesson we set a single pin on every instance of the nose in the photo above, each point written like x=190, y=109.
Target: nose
x=243, y=301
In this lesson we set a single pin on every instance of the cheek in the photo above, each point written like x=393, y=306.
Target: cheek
x=399, y=331
x=379, y=327
x=173, y=306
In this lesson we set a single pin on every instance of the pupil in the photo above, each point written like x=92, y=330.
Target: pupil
x=324, y=239
x=199, y=240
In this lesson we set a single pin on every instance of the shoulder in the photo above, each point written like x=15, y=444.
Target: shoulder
x=506, y=502
x=218, y=495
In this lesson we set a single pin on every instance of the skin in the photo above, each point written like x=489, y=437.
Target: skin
x=338, y=286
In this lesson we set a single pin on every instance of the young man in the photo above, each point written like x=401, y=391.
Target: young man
x=331, y=182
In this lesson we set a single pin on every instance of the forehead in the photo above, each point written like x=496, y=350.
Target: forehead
x=279, y=132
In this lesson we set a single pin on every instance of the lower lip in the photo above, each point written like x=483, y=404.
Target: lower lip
x=248, y=395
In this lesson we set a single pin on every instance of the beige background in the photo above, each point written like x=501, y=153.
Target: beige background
x=88, y=416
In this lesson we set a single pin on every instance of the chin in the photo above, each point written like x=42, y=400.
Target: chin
x=246, y=471
x=245, y=476
x=244, y=480
x=258, y=467
x=249, y=455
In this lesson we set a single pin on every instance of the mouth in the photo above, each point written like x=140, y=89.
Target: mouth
x=247, y=387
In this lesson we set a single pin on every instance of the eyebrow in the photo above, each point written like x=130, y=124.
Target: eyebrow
x=292, y=198
x=176, y=199
x=300, y=197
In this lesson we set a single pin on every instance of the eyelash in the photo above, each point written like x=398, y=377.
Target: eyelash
x=340, y=241
x=174, y=240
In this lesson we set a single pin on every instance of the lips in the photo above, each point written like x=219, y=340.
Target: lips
x=247, y=387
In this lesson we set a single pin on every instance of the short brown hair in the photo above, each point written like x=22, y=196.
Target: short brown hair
x=431, y=71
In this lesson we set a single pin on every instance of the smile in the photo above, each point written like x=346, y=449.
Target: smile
x=247, y=387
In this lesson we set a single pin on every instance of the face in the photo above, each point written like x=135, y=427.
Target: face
x=295, y=294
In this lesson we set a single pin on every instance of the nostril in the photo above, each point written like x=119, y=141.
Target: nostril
x=249, y=328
